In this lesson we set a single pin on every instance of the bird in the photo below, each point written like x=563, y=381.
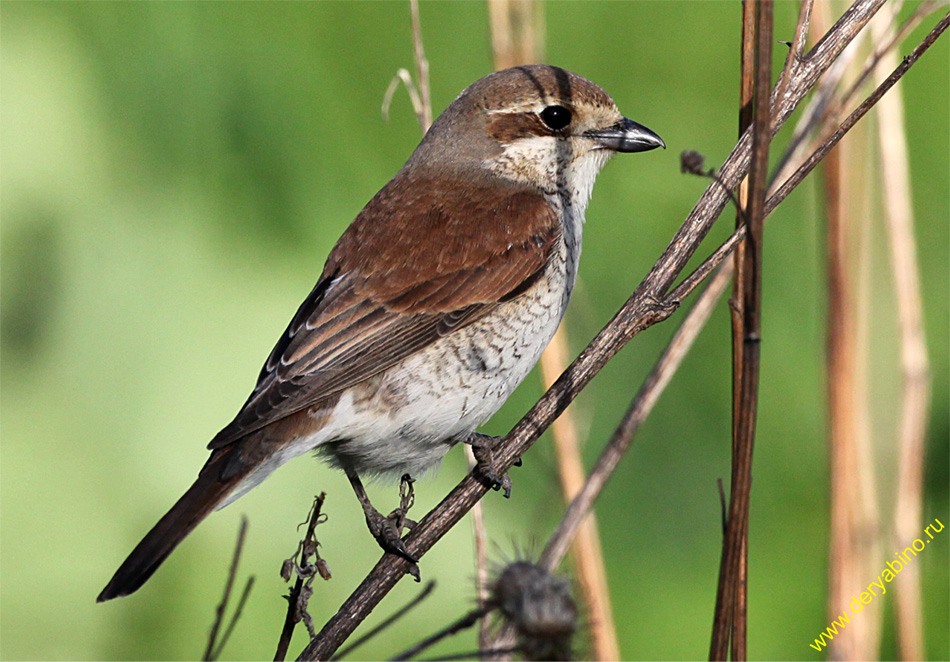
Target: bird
x=434, y=304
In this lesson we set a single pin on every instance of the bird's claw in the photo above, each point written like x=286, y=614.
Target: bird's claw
x=483, y=447
x=387, y=532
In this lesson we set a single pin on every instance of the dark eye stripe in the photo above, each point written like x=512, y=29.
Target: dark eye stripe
x=506, y=128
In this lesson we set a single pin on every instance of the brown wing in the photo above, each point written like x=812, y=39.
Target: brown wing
x=393, y=285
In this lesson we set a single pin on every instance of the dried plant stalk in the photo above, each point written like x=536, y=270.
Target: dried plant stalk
x=914, y=366
x=517, y=32
x=746, y=90
x=851, y=532
x=640, y=408
x=480, y=540
x=479, y=530
x=421, y=99
x=422, y=67
x=588, y=555
x=517, y=38
x=729, y=618
x=853, y=539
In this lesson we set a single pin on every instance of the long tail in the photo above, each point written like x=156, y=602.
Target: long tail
x=215, y=482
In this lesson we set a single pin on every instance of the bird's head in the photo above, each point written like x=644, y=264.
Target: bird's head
x=538, y=125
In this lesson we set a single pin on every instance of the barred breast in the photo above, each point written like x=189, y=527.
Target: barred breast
x=406, y=419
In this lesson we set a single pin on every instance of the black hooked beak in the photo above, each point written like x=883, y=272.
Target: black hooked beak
x=627, y=136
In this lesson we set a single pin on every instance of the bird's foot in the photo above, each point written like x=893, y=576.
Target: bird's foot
x=388, y=530
x=483, y=447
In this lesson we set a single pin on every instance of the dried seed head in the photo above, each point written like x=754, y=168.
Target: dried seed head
x=540, y=607
x=692, y=162
x=287, y=569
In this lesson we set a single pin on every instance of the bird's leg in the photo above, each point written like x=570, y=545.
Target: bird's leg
x=483, y=446
x=386, y=530
x=407, y=498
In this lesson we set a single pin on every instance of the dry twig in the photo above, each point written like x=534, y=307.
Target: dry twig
x=588, y=556
x=640, y=408
x=666, y=365
x=822, y=151
x=463, y=623
x=305, y=570
x=389, y=620
x=214, y=648
x=403, y=75
x=418, y=88
x=828, y=102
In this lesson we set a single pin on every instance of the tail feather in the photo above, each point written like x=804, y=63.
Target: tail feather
x=201, y=498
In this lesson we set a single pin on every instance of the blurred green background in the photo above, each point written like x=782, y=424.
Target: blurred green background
x=174, y=175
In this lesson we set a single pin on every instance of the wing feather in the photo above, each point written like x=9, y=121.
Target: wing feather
x=381, y=298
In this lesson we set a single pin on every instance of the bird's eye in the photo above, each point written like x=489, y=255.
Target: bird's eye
x=556, y=117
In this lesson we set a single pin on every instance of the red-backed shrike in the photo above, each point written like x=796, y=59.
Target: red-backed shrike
x=432, y=307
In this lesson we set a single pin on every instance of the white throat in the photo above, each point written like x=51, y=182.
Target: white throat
x=565, y=172
x=567, y=169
